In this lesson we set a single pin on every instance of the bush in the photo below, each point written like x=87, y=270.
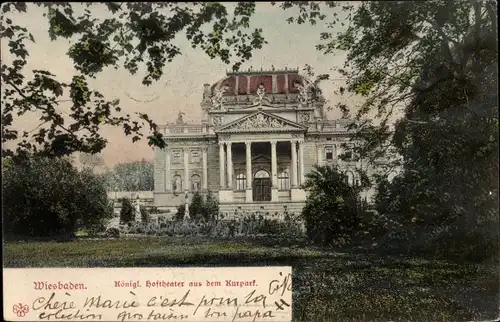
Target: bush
x=112, y=233
x=221, y=228
x=49, y=197
x=127, y=211
x=144, y=215
x=332, y=208
x=181, y=210
x=196, y=206
x=200, y=209
x=461, y=225
x=210, y=207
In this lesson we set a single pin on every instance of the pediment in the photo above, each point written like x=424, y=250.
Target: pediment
x=261, y=121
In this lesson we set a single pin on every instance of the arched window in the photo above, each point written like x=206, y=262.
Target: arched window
x=283, y=181
x=241, y=181
x=195, y=182
x=177, y=183
x=261, y=174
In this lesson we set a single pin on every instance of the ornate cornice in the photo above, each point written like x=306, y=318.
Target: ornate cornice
x=264, y=130
x=263, y=108
x=193, y=139
x=314, y=133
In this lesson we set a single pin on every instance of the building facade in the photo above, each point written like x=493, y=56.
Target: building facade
x=261, y=133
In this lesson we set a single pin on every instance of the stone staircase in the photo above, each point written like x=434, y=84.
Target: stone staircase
x=264, y=207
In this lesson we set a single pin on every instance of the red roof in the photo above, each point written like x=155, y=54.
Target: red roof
x=275, y=82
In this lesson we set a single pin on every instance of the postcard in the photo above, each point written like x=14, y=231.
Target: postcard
x=301, y=161
x=148, y=294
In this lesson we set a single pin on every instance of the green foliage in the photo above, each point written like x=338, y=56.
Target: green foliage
x=131, y=176
x=390, y=46
x=181, y=211
x=196, y=206
x=91, y=161
x=246, y=226
x=210, y=207
x=49, y=197
x=127, y=212
x=437, y=63
x=448, y=139
x=200, y=207
x=112, y=232
x=332, y=208
x=133, y=36
x=145, y=218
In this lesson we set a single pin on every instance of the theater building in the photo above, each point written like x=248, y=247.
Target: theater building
x=261, y=132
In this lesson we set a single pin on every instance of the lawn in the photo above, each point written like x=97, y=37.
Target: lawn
x=328, y=285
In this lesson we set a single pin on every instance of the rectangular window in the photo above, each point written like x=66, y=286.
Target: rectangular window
x=241, y=182
x=329, y=153
x=176, y=156
x=284, y=181
x=195, y=156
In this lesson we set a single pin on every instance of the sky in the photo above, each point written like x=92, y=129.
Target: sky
x=181, y=87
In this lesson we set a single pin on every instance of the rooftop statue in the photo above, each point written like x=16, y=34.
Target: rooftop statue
x=180, y=119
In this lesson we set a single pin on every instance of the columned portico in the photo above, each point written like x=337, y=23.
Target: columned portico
x=249, y=172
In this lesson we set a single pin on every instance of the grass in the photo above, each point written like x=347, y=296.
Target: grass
x=328, y=285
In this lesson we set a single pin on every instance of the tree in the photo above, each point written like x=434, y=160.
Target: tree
x=437, y=63
x=145, y=217
x=127, y=212
x=211, y=207
x=332, y=206
x=130, y=36
x=50, y=198
x=390, y=46
x=196, y=206
x=131, y=176
x=90, y=160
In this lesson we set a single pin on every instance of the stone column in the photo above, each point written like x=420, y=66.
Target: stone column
x=274, y=164
x=168, y=181
x=229, y=166
x=221, y=165
x=248, y=190
x=186, y=169
x=301, y=162
x=274, y=172
x=205, y=170
x=294, y=164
